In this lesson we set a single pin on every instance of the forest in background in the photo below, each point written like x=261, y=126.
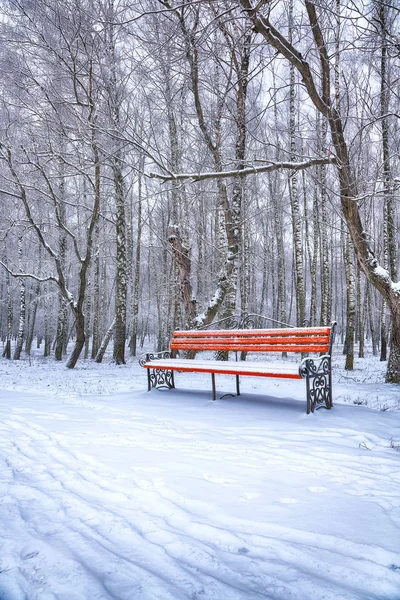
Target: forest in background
x=164, y=164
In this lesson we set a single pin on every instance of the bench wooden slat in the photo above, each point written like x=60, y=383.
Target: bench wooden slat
x=252, y=339
x=263, y=340
x=227, y=368
x=307, y=332
x=257, y=347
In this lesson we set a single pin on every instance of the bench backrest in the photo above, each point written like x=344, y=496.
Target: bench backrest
x=305, y=339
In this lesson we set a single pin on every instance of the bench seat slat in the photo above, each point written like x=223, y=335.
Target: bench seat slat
x=282, y=370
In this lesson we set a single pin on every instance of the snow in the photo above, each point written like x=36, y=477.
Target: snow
x=110, y=492
x=382, y=273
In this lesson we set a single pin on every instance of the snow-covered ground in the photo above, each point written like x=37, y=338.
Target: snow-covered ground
x=110, y=492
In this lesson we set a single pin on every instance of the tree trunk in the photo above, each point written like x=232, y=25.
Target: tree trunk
x=182, y=258
x=372, y=328
x=294, y=196
x=47, y=333
x=383, y=332
x=278, y=219
x=314, y=261
x=361, y=309
x=32, y=322
x=393, y=369
x=136, y=280
x=79, y=339
x=88, y=308
x=96, y=296
x=121, y=286
x=62, y=245
x=389, y=223
x=22, y=314
x=104, y=343
x=7, y=349
x=61, y=327
x=350, y=304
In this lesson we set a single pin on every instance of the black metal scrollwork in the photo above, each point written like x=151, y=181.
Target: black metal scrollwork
x=153, y=356
x=158, y=378
x=319, y=387
x=161, y=379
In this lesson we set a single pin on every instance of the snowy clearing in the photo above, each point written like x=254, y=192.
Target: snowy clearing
x=110, y=492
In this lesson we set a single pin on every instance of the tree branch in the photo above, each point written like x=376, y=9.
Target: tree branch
x=275, y=39
x=29, y=275
x=272, y=166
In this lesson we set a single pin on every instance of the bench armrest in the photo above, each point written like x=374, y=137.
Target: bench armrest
x=312, y=367
x=149, y=356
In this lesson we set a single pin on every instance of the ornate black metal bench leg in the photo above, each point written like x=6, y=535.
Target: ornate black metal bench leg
x=160, y=378
x=318, y=383
x=157, y=378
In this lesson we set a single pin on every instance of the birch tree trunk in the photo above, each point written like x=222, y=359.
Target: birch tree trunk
x=361, y=310
x=278, y=217
x=389, y=224
x=47, y=326
x=325, y=287
x=372, y=324
x=34, y=306
x=350, y=303
x=294, y=194
x=121, y=286
x=136, y=278
x=104, y=343
x=88, y=310
x=22, y=313
x=389, y=244
x=314, y=260
x=7, y=348
x=96, y=294
x=62, y=248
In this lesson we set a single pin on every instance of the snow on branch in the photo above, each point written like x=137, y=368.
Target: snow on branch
x=271, y=166
x=29, y=275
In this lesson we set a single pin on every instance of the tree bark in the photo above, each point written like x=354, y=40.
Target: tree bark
x=22, y=313
x=79, y=339
x=7, y=348
x=104, y=343
x=350, y=304
x=294, y=193
x=121, y=285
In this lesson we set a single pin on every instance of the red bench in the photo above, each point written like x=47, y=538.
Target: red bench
x=316, y=371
